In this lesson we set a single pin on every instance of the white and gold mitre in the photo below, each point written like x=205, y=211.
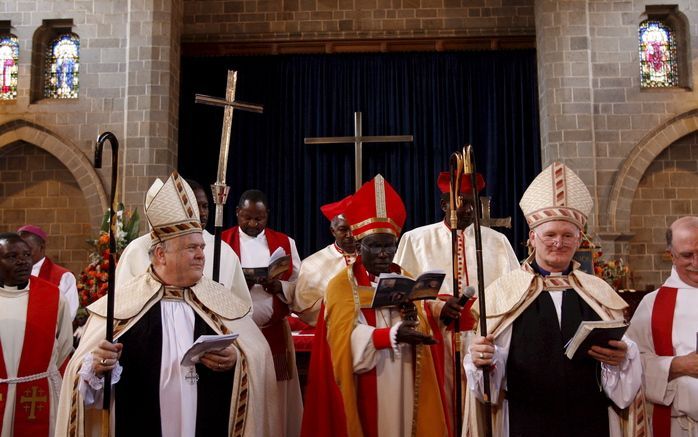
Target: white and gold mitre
x=173, y=211
x=556, y=193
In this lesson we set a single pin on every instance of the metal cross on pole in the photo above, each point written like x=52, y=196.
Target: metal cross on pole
x=358, y=139
x=492, y=222
x=219, y=188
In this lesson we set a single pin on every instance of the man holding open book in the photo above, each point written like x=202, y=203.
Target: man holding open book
x=373, y=371
x=158, y=316
x=533, y=312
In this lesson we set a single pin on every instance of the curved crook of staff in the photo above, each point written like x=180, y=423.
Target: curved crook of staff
x=469, y=168
x=455, y=167
x=114, y=143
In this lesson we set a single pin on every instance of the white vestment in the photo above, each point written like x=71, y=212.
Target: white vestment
x=13, y=311
x=620, y=383
x=394, y=371
x=429, y=248
x=316, y=271
x=67, y=286
x=254, y=252
x=134, y=261
x=254, y=383
x=682, y=392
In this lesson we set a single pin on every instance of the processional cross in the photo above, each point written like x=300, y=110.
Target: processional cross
x=358, y=139
x=219, y=188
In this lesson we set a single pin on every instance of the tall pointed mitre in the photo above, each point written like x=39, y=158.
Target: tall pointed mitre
x=375, y=208
x=556, y=193
x=173, y=211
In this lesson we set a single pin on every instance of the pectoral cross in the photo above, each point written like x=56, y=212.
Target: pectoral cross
x=220, y=189
x=32, y=398
x=358, y=139
x=192, y=377
x=489, y=221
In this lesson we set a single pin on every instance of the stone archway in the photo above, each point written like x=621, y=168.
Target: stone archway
x=68, y=154
x=636, y=164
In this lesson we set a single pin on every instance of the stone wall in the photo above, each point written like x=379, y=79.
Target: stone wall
x=36, y=188
x=594, y=116
x=666, y=192
x=268, y=20
x=129, y=84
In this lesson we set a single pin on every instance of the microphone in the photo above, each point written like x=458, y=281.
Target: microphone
x=468, y=293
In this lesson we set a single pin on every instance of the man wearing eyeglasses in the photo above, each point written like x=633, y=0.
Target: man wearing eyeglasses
x=373, y=371
x=533, y=312
x=664, y=327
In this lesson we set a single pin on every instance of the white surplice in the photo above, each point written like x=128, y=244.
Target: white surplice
x=620, y=383
x=178, y=398
x=315, y=273
x=429, y=248
x=394, y=371
x=13, y=311
x=682, y=392
x=254, y=252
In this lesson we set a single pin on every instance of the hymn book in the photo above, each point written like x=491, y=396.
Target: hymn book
x=206, y=343
x=279, y=263
x=394, y=289
x=594, y=333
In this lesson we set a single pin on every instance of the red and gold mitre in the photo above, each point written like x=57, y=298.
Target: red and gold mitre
x=375, y=208
x=557, y=193
x=173, y=212
x=332, y=210
x=444, y=182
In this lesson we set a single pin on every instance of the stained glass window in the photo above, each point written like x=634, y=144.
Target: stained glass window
x=62, y=62
x=658, y=61
x=9, y=56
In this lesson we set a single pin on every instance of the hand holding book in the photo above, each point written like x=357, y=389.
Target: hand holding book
x=600, y=340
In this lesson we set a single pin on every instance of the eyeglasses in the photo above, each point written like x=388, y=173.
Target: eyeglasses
x=561, y=241
x=377, y=250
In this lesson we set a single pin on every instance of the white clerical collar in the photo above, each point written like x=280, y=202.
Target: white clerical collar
x=260, y=236
x=14, y=288
x=675, y=281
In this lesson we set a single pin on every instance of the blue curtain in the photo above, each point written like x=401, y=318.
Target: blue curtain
x=445, y=100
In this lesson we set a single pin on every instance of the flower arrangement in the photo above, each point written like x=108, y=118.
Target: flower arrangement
x=614, y=271
x=92, y=282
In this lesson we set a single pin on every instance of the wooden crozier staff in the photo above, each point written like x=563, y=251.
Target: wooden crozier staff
x=469, y=168
x=456, y=172
x=112, y=260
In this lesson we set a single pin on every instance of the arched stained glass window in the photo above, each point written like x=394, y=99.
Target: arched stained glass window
x=9, y=56
x=658, y=60
x=62, y=65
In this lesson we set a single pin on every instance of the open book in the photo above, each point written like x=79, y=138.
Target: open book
x=279, y=263
x=594, y=333
x=206, y=343
x=394, y=289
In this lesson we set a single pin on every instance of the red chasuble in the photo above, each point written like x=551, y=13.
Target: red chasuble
x=51, y=272
x=662, y=327
x=275, y=331
x=32, y=400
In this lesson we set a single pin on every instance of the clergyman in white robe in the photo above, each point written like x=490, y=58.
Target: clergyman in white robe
x=682, y=392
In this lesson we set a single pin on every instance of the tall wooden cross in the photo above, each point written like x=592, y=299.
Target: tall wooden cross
x=358, y=139
x=220, y=189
